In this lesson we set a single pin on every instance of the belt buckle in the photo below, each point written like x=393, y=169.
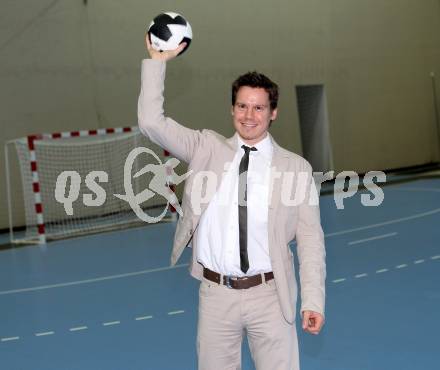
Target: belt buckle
x=228, y=279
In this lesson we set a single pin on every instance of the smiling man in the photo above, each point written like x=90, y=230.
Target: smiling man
x=240, y=247
x=254, y=106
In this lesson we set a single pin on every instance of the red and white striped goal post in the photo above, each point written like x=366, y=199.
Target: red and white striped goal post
x=31, y=139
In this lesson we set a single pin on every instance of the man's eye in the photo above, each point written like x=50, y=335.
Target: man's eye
x=259, y=108
x=241, y=106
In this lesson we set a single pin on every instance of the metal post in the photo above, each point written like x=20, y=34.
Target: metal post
x=8, y=192
x=436, y=112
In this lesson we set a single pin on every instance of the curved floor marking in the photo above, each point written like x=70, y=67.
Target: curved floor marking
x=79, y=282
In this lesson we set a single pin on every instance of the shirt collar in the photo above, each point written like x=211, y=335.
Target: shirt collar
x=264, y=147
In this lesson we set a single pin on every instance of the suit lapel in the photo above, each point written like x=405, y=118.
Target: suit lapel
x=278, y=167
x=232, y=144
x=218, y=163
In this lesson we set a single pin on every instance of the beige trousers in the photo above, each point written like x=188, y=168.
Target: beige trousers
x=225, y=314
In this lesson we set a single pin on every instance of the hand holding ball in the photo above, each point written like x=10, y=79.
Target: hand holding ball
x=167, y=32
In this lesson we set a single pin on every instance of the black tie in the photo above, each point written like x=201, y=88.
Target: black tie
x=242, y=207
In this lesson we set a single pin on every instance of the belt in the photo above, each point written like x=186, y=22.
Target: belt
x=235, y=282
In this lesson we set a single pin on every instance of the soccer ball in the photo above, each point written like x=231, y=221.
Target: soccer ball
x=168, y=30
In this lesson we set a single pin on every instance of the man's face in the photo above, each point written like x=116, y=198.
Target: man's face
x=251, y=114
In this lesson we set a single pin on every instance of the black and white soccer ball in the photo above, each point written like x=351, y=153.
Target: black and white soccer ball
x=168, y=30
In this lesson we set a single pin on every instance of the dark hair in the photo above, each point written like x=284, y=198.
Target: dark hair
x=258, y=80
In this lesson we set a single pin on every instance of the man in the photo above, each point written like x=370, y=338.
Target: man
x=240, y=245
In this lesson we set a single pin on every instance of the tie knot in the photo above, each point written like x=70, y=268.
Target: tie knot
x=247, y=149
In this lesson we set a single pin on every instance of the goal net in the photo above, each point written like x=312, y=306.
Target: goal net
x=78, y=203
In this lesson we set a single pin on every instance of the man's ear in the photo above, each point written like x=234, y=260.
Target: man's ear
x=232, y=110
x=274, y=114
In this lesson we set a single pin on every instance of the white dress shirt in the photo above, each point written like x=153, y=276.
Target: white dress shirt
x=218, y=233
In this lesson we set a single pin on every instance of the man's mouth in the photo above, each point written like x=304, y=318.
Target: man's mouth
x=249, y=124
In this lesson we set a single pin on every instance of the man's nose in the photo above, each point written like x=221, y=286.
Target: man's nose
x=249, y=112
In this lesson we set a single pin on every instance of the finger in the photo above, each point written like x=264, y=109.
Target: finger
x=150, y=48
x=180, y=48
x=319, y=322
x=312, y=325
x=305, y=321
x=316, y=322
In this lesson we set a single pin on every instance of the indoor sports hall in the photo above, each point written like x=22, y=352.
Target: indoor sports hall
x=86, y=280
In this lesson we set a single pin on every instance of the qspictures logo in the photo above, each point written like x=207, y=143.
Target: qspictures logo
x=68, y=184
x=295, y=188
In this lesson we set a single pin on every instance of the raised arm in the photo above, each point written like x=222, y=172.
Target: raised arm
x=180, y=141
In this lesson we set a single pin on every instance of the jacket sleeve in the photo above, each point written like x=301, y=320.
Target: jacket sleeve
x=180, y=141
x=311, y=250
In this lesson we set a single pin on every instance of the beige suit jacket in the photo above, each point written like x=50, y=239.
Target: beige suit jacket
x=207, y=150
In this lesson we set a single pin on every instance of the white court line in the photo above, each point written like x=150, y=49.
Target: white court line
x=390, y=222
x=9, y=339
x=372, y=238
x=403, y=265
x=360, y=275
x=381, y=271
x=143, y=318
x=175, y=312
x=78, y=328
x=348, y=231
x=93, y=280
x=44, y=334
x=339, y=280
x=417, y=189
x=111, y=323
